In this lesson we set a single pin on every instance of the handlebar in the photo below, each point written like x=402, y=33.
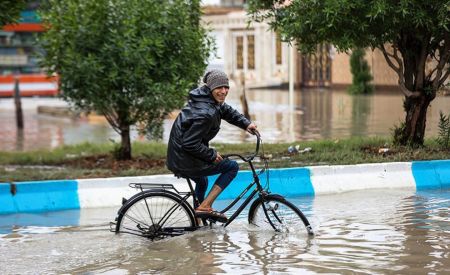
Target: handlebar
x=252, y=156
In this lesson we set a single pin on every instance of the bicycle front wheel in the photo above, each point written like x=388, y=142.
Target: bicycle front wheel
x=155, y=215
x=276, y=213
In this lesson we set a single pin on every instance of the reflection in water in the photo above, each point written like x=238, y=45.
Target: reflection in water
x=317, y=114
x=328, y=114
x=427, y=230
x=20, y=139
x=366, y=232
x=360, y=114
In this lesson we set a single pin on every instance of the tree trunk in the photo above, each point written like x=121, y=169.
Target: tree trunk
x=124, y=152
x=413, y=133
x=20, y=140
x=245, y=105
x=18, y=104
x=243, y=96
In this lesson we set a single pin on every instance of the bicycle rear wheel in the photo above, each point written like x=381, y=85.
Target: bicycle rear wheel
x=155, y=215
x=279, y=214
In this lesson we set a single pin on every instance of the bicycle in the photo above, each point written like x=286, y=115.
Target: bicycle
x=159, y=211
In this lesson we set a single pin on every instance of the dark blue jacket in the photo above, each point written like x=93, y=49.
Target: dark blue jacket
x=198, y=122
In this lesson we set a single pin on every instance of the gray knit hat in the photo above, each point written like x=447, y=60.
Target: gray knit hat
x=215, y=79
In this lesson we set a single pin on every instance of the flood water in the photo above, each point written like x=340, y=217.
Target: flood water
x=365, y=232
x=314, y=114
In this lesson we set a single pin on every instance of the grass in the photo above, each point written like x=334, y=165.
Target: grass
x=95, y=160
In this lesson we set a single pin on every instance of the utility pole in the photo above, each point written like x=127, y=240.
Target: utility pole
x=18, y=103
x=243, y=96
x=291, y=54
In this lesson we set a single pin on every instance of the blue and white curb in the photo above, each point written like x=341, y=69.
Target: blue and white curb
x=431, y=174
x=39, y=196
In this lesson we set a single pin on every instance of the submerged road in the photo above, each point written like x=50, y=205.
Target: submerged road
x=396, y=231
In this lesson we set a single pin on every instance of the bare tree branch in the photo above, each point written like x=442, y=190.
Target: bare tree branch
x=405, y=90
x=398, y=59
x=430, y=74
x=399, y=70
x=111, y=117
x=388, y=56
x=444, y=53
x=442, y=80
x=420, y=69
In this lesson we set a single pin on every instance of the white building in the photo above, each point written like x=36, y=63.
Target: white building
x=255, y=50
x=251, y=49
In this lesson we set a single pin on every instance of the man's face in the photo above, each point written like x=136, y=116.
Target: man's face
x=220, y=94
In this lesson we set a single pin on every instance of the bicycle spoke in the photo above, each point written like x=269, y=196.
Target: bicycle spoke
x=136, y=220
x=280, y=214
x=156, y=216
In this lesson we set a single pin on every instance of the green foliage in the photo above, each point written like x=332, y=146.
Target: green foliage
x=350, y=24
x=361, y=73
x=132, y=61
x=398, y=133
x=408, y=32
x=444, y=131
x=10, y=10
x=155, y=130
x=64, y=162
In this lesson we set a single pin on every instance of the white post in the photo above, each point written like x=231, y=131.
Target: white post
x=291, y=92
x=291, y=77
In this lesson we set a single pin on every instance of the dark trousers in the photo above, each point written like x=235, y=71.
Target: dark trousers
x=227, y=169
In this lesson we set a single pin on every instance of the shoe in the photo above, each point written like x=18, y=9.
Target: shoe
x=211, y=214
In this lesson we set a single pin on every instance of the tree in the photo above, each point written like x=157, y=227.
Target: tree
x=412, y=34
x=360, y=72
x=131, y=60
x=10, y=10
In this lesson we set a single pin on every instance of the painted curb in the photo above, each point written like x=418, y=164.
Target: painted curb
x=42, y=196
x=431, y=174
x=343, y=178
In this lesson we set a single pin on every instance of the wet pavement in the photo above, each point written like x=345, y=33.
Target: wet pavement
x=365, y=232
x=314, y=114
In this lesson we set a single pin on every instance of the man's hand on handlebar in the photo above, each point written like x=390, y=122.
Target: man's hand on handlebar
x=218, y=158
x=252, y=129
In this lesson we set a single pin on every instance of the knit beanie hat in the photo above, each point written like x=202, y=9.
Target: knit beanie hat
x=215, y=79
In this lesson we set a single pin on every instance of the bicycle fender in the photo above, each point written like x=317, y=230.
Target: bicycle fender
x=280, y=197
x=124, y=204
x=258, y=201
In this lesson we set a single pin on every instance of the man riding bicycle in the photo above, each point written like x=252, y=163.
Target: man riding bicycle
x=188, y=152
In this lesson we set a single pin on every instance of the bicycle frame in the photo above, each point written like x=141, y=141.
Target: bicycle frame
x=184, y=196
x=258, y=190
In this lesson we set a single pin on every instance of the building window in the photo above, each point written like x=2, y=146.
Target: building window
x=278, y=49
x=240, y=52
x=316, y=67
x=244, y=51
x=251, y=51
x=232, y=3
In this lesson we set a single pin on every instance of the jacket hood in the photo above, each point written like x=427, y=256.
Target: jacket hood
x=202, y=94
